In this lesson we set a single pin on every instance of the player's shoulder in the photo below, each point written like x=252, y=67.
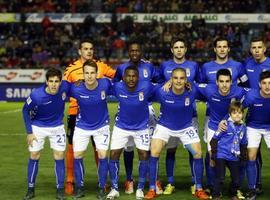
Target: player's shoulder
x=100, y=63
x=235, y=63
x=166, y=62
x=146, y=63
x=208, y=64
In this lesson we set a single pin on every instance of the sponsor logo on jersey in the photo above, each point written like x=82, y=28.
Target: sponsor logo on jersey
x=103, y=95
x=84, y=97
x=187, y=101
x=250, y=70
x=169, y=101
x=145, y=73
x=212, y=72
x=123, y=96
x=214, y=99
x=46, y=103
x=64, y=96
x=258, y=105
x=141, y=96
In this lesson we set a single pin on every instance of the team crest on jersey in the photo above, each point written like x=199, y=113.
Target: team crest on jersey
x=187, y=101
x=241, y=135
x=188, y=72
x=64, y=96
x=145, y=73
x=29, y=100
x=103, y=95
x=141, y=96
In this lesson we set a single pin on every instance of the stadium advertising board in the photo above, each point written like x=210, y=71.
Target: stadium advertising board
x=22, y=75
x=146, y=18
x=16, y=92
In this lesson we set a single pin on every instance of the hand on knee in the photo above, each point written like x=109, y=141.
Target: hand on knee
x=78, y=154
x=35, y=155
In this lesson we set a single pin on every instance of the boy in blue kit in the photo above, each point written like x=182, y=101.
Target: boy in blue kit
x=43, y=112
x=228, y=148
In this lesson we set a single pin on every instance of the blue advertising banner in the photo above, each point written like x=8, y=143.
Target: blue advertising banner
x=16, y=92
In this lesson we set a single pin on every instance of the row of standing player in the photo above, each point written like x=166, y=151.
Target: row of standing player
x=178, y=49
x=251, y=69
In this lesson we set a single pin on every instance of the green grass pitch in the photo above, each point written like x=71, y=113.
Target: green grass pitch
x=14, y=158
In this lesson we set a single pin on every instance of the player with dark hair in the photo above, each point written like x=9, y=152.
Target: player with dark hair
x=73, y=73
x=208, y=75
x=43, y=114
x=131, y=124
x=147, y=72
x=258, y=126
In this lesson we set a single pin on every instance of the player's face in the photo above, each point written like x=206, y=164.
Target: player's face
x=224, y=84
x=134, y=53
x=86, y=51
x=237, y=116
x=222, y=50
x=179, y=80
x=53, y=84
x=179, y=50
x=265, y=87
x=257, y=49
x=90, y=75
x=131, y=79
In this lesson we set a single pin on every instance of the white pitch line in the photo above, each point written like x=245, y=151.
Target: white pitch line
x=12, y=134
x=10, y=111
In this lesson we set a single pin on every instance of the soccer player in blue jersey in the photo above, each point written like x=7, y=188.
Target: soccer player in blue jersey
x=43, y=112
x=178, y=49
x=208, y=75
x=147, y=72
x=228, y=148
x=131, y=123
x=176, y=121
x=91, y=97
x=258, y=125
x=218, y=98
x=254, y=66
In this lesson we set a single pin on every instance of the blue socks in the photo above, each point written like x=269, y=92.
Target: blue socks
x=32, y=172
x=79, y=172
x=251, y=174
x=59, y=173
x=114, y=171
x=191, y=168
x=102, y=172
x=170, y=163
x=128, y=161
x=153, y=168
x=198, y=172
x=143, y=169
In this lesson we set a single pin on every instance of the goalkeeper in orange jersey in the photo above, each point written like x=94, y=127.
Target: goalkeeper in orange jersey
x=73, y=73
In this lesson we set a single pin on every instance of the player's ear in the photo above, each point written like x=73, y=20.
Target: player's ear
x=229, y=49
x=172, y=50
x=79, y=52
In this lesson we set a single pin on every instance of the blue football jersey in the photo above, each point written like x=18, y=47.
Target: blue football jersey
x=218, y=104
x=209, y=71
x=258, y=115
x=93, y=110
x=147, y=71
x=253, y=70
x=45, y=110
x=133, y=113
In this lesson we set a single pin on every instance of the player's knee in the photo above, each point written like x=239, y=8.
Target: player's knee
x=143, y=155
x=115, y=154
x=195, y=150
x=58, y=155
x=35, y=155
x=155, y=151
x=78, y=154
x=102, y=154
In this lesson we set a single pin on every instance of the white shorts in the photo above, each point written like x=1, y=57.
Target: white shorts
x=121, y=137
x=205, y=128
x=57, y=138
x=186, y=136
x=209, y=135
x=174, y=142
x=254, y=137
x=152, y=125
x=81, y=138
